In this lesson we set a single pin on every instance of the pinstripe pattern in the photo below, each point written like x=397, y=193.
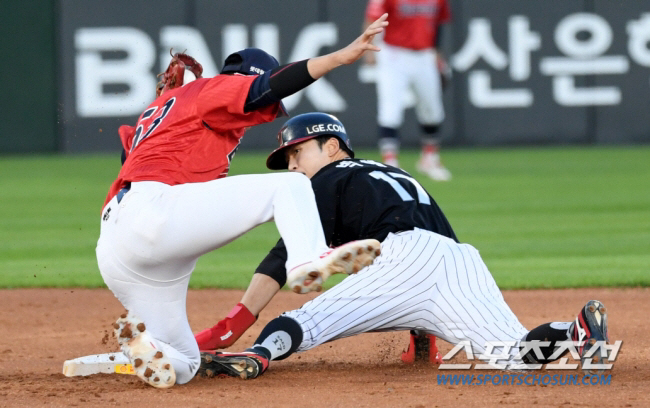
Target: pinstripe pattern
x=421, y=281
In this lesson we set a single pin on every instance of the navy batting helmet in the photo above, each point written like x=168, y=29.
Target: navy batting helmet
x=250, y=61
x=305, y=127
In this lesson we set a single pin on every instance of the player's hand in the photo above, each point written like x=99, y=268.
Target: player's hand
x=358, y=47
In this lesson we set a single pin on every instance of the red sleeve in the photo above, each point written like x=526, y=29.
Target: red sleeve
x=221, y=104
x=445, y=12
x=375, y=9
x=126, y=136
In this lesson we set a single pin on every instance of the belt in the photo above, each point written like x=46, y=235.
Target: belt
x=121, y=193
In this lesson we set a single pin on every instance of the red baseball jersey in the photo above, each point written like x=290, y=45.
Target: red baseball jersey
x=412, y=23
x=189, y=134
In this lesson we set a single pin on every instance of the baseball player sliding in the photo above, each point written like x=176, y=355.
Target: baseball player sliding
x=172, y=203
x=423, y=280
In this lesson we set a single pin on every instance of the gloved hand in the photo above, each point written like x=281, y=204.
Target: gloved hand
x=227, y=331
x=173, y=77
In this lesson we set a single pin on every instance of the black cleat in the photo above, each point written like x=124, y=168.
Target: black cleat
x=588, y=330
x=245, y=365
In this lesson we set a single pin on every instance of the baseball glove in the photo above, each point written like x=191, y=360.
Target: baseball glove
x=173, y=76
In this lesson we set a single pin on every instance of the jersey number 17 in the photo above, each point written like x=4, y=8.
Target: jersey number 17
x=390, y=178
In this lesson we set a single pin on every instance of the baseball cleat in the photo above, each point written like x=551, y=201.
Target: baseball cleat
x=150, y=364
x=349, y=258
x=588, y=330
x=434, y=169
x=422, y=347
x=245, y=365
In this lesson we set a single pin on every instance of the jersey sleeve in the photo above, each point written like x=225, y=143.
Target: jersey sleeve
x=221, y=103
x=273, y=264
x=375, y=9
x=126, y=137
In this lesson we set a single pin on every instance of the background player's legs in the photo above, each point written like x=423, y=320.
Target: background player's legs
x=430, y=112
x=425, y=81
x=389, y=145
x=429, y=162
x=392, y=84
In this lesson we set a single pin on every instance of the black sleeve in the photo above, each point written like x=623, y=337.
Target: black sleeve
x=276, y=84
x=289, y=79
x=273, y=264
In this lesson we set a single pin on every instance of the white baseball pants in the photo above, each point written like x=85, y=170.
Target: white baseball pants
x=421, y=281
x=151, y=240
x=400, y=69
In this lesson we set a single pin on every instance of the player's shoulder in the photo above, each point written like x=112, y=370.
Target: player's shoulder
x=226, y=87
x=231, y=80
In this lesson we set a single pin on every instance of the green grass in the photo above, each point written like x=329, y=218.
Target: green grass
x=542, y=217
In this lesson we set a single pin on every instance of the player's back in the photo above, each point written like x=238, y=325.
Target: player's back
x=189, y=134
x=360, y=199
x=174, y=143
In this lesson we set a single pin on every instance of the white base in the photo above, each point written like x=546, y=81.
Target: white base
x=108, y=363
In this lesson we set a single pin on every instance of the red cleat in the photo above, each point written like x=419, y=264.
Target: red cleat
x=422, y=347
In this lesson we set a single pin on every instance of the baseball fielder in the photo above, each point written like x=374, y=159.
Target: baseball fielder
x=423, y=280
x=410, y=60
x=171, y=202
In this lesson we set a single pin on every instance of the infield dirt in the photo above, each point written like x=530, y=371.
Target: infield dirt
x=41, y=328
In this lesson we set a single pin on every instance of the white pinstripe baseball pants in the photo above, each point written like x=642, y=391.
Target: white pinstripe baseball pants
x=421, y=281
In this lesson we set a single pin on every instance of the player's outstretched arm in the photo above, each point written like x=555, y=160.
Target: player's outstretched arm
x=260, y=292
x=320, y=66
x=288, y=79
x=225, y=333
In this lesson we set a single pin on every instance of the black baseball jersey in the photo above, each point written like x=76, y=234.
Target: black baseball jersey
x=361, y=199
